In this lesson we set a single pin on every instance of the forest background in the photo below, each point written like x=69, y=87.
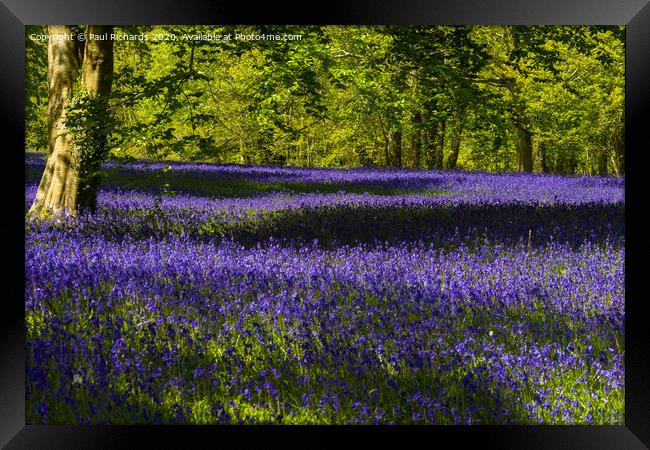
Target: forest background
x=495, y=98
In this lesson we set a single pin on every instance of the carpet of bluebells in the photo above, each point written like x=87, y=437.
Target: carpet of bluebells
x=219, y=294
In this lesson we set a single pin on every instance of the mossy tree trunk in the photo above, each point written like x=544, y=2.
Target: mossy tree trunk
x=97, y=80
x=70, y=184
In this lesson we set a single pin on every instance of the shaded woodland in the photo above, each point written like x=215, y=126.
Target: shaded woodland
x=495, y=98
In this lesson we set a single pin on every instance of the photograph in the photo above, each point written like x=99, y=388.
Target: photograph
x=325, y=224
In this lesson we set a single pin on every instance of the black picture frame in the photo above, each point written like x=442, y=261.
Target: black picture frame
x=15, y=14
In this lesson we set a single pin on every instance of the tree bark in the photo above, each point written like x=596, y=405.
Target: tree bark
x=619, y=153
x=440, y=143
x=386, y=135
x=434, y=143
x=454, y=146
x=602, y=160
x=244, y=157
x=395, y=144
x=97, y=80
x=428, y=138
x=429, y=141
x=416, y=140
x=542, y=156
x=568, y=159
x=387, y=162
x=57, y=189
x=524, y=143
x=524, y=149
x=65, y=186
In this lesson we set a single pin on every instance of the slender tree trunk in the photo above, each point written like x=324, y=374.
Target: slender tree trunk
x=434, y=144
x=308, y=154
x=454, y=146
x=591, y=165
x=385, y=134
x=395, y=148
x=524, y=143
x=429, y=141
x=440, y=143
x=386, y=152
x=602, y=160
x=569, y=159
x=243, y=154
x=497, y=142
x=561, y=162
x=524, y=149
x=541, y=148
x=416, y=140
x=430, y=147
x=69, y=185
x=264, y=155
x=619, y=153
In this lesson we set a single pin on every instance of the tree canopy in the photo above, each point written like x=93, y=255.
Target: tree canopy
x=497, y=98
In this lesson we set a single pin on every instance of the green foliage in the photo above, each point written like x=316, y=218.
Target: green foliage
x=88, y=121
x=361, y=95
x=35, y=90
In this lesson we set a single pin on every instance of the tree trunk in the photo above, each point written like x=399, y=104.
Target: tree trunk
x=308, y=154
x=454, y=147
x=57, y=189
x=569, y=161
x=619, y=153
x=430, y=147
x=386, y=152
x=602, y=160
x=244, y=157
x=524, y=144
x=541, y=148
x=395, y=145
x=524, y=149
x=385, y=135
x=497, y=143
x=97, y=80
x=429, y=141
x=440, y=143
x=434, y=144
x=416, y=140
x=69, y=185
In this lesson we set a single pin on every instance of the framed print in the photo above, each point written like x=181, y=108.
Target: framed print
x=394, y=222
